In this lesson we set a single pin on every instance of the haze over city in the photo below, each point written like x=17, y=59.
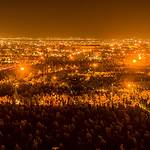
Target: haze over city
x=75, y=18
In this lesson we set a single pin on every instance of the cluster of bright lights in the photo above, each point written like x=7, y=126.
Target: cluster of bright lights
x=134, y=61
x=71, y=57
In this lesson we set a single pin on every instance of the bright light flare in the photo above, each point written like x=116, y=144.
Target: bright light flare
x=22, y=68
x=134, y=61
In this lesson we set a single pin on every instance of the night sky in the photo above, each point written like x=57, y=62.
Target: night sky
x=75, y=18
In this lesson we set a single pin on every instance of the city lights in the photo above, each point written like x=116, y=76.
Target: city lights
x=75, y=75
x=63, y=74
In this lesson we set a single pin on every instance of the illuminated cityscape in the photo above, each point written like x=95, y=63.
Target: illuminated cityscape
x=99, y=73
x=75, y=75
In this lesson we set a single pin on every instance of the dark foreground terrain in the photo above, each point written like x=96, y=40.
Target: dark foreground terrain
x=74, y=127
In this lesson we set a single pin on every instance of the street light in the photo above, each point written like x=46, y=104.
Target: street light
x=94, y=65
x=129, y=85
x=140, y=57
x=23, y=70
x=54, y=78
